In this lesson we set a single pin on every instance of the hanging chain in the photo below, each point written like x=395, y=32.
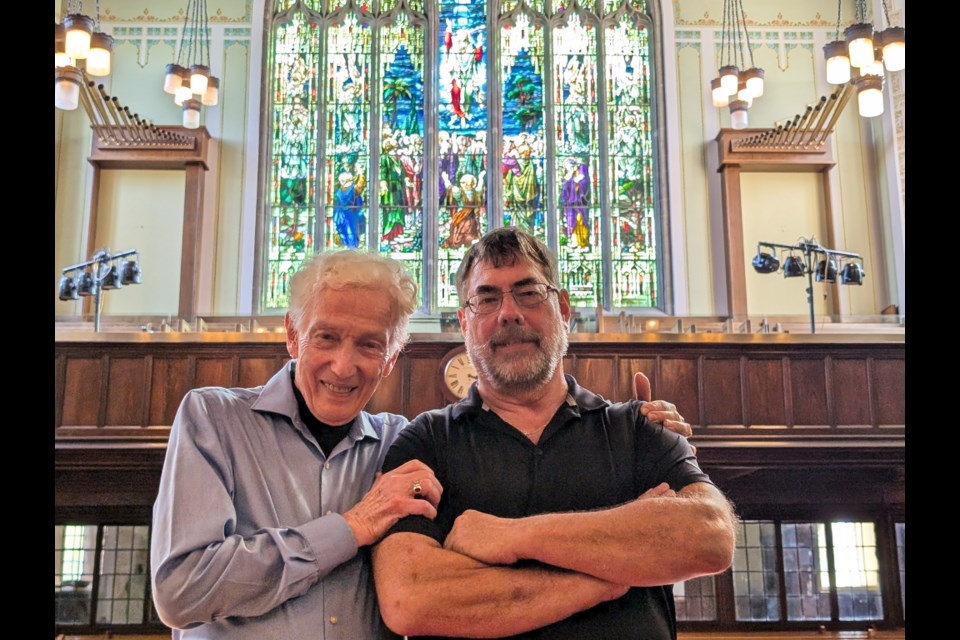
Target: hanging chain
x=886, y=14
x=839, y=4
x=723, y=35
x=861, y=11
x=97, y=26
x=746, y=34
x=206, y=35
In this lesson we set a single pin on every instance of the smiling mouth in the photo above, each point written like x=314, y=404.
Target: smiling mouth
x=338, y=388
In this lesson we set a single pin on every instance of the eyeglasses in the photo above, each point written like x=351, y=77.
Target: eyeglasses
x=528, y=295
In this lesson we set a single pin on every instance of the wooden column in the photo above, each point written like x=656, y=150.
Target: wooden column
x=733, y=163
x=191, y=158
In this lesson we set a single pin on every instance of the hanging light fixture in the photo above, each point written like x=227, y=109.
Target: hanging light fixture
x=81, y=45
x=189, y=78
x=859, y=37
x=838, y=62
x=737, y=85
x=66, y=88
x=892, y=42
x=867, y=51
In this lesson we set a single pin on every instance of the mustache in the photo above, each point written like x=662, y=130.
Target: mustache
x=513, y=333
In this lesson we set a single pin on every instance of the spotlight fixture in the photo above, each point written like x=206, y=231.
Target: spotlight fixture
x=765, y=262
x=826, y=270
x=793, y=266
x=68, y=288
x=852, y=273
x=98, y=274
x=130, y=274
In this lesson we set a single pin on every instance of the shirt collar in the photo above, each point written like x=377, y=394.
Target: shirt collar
x=577, y=396
x=277, y=397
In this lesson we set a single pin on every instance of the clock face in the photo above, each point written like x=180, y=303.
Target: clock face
x=459, y=374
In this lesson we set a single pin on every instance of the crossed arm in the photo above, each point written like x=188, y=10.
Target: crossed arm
x=469, y=588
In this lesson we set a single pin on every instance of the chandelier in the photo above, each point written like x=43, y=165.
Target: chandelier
x=79, y=47
x=189, y=79
x=737, y=85
x=869, y=53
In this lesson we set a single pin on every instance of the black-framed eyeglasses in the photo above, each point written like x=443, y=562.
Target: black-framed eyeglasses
x=527, y=295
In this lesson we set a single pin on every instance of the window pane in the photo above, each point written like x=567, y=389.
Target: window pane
x=462, y=125
x=574, y=69
x=857, y=570
x=807, y=598
x=902, y=562
x=74, y=549
x=123, y=575
x=347, y=129
x=524, y=135
x=696, y=599
x=755, y=586
x=292, y=189
x=634, y=268
x=401, y=143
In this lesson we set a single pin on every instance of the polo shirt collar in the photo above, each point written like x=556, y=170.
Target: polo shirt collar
x=583, y=399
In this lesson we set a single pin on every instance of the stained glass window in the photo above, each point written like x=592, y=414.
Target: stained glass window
x=365, y=94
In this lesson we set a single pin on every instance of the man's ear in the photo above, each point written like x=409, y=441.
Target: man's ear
x=462, y=317
x=293, y=344
x=565, y=309
x=388, y=368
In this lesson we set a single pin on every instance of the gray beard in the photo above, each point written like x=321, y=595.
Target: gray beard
x=522, y=374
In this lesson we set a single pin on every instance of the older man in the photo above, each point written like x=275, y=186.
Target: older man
x=563, y=515
x=270, y=497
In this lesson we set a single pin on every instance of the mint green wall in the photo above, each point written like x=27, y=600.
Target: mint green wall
x=788, y=39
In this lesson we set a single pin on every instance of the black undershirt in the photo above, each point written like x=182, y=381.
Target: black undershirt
x=327, y=436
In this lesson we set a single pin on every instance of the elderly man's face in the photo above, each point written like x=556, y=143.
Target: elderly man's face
x=515, y=348
x=342, y=350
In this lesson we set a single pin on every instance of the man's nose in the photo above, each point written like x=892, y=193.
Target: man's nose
x=344, y=361
x=510, y=311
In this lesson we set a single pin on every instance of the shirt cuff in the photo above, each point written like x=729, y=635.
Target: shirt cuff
x=331, y=539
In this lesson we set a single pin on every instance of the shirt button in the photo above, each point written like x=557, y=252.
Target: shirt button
x=326, y=465
x=333, y=619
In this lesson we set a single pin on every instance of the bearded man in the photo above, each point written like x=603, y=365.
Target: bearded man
x=563, y=515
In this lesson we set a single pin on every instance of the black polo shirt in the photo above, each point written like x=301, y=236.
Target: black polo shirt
x=592, y=454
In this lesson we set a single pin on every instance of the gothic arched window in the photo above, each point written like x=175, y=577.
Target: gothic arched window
x=410, y=128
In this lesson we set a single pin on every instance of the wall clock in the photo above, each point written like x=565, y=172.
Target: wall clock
x=456, y=374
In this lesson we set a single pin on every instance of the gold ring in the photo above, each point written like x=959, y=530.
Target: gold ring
x=417, y=488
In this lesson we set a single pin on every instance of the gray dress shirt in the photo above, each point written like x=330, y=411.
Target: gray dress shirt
x=248, y=541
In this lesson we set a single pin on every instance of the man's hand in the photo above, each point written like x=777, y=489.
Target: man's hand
x=410, y=489
x=482, y=537
x=659, y=410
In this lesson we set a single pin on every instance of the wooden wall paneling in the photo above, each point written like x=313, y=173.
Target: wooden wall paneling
x=678, y=381
x=59, y=368
x=81, y=392
x=253, y=372
x=423, y=387
x=722, y=392
x=127, y=389
x=626, y=367
x=172, y=377
x=808, y=390
x=599, y=375
x=851, y=392
x=889, y=391
x=765, y=392
x=389, y=395
x=215, y=372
